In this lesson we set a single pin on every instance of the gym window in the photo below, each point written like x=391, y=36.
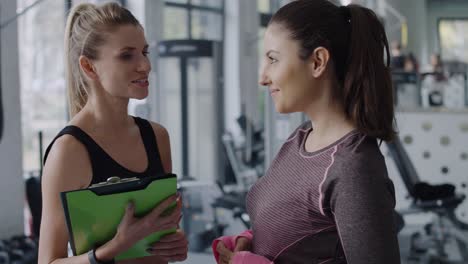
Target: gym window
x=193, y=19
x=453, y=39
x=42, y=76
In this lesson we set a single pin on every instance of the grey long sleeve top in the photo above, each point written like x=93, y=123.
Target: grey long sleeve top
x=335, y=205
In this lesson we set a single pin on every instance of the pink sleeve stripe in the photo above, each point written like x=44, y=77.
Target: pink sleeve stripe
x=324, y=178
x=297, y=133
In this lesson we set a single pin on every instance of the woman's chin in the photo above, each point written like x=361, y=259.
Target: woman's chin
x=140, y=95
x=283, y=109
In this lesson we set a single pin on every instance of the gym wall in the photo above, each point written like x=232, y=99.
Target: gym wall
x=437, y=144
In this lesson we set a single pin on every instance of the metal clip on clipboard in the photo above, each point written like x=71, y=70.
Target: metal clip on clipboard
x=113, y=180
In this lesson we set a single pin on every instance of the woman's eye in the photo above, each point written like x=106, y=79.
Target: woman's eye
x=126, y=56
x=146, y=53
x=272, y=60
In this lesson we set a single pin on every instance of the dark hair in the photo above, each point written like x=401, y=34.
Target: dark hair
x=356, y=41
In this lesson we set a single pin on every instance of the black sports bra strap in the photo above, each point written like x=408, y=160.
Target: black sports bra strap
x=151, y=146
x=80, y=135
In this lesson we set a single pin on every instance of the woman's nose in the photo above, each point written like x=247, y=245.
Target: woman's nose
x=263, y=78
x=145, y=65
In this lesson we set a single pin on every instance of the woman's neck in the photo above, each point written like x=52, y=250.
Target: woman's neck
x=108, y=113
x=328, y=127
x=329, y=121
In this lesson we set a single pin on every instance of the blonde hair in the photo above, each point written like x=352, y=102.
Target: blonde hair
x=85, y=32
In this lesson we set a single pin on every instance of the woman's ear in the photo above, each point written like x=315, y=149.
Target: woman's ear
x=88, y=67
x=319, y=60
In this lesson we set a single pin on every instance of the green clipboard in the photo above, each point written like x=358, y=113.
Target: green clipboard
x=93, y=214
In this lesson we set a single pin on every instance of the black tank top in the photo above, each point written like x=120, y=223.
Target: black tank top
x=104, y=166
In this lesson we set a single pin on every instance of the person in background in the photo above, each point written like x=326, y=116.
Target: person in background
x=397, y=61
x=326, y=198
x=107, y=64
x=436, y=63
x=437, y=67
x=411, y=64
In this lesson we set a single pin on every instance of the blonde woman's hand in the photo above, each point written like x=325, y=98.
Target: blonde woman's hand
x=133, y=229
x=171, y=248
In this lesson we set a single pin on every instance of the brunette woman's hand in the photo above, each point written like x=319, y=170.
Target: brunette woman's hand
x=242, y=244
x=225, y=255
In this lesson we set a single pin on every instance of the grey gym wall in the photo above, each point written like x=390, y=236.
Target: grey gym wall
x=437, y=144
x=12, y=183
x=440, y=9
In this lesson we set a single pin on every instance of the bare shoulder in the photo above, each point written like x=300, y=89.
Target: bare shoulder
x=159, y=130
x=164, y=145
x=68, y=164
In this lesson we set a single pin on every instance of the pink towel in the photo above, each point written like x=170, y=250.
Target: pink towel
x=241, y=257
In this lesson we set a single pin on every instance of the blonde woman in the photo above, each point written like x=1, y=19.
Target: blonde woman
x=107, y=64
